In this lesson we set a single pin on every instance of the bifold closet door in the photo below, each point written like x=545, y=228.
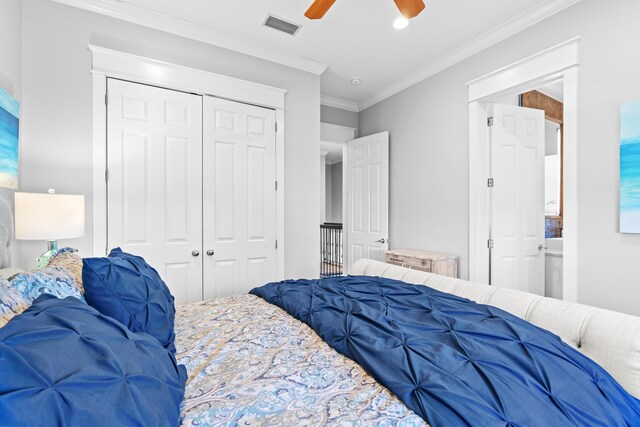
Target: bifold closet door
x=239, y=197
x=154, y=162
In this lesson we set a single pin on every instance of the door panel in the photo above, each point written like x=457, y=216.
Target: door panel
x=223, y=163
x=135, y=189
x=517, y=198
x=368, y=197
x=154, y=145
x=239, y=197
x=257, y=197
x=176, y=201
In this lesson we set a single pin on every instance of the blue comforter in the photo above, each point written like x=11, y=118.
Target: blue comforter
x=452, y=361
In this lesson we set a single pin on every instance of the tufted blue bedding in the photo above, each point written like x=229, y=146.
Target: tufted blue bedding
x=452, y=361
x=62, y=363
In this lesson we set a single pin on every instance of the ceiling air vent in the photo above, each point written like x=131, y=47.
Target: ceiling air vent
x=282, y=25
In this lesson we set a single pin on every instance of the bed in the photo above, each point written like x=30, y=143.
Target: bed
x=251, y=363
x=99, y=341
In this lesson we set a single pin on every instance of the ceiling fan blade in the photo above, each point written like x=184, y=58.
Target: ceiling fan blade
x=319, y=8
x=410, y=8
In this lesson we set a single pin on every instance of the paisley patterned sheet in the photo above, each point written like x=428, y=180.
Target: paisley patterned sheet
x=250, y=363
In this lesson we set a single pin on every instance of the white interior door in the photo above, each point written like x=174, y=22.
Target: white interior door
x=367, y=198
x=154, y=149
x=517, y=198
x=239, y=197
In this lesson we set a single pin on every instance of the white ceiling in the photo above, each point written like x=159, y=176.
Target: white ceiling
x=355, y=38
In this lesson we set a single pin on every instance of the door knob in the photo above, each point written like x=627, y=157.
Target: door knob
x=541, y=247
x=210, y=252
x=195, y=253
x=383, y=241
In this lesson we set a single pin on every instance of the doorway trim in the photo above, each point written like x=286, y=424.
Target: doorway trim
x=558, y=62
x=108, y=63
x=341, y=135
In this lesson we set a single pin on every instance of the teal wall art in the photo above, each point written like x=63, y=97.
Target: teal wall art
x=9, y=126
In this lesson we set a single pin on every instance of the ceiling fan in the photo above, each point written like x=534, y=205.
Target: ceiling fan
x=408, y=8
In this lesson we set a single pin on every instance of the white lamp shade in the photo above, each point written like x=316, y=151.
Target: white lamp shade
x=48, y=216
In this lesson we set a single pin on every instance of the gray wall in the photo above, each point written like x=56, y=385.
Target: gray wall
x=11, y=75
x=429, y=156
x=57, y=144
x=338, y=116
x=11, y=47
x=336, y=192
x=328, y=199
x=333, y=193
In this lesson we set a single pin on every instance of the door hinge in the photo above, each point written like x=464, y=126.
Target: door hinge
x=106, y=175
x=276, y=126
x=490, y=183
x=276, y=244
x=106, y=98
x=490, y=243
x=106, y=250
x=489, y=121
x=276, y=185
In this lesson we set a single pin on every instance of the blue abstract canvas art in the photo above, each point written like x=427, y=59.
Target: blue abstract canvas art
x=9, y=125
x=630, y=167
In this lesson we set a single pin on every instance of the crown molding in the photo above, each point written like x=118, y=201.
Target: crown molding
x=191, y=30
x=134, y=14
x=480, y=43
x=328, y=101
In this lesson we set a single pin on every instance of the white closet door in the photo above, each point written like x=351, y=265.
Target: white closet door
x=155, y=181
x=517, y=198
x=368, y=198
x=239, y=197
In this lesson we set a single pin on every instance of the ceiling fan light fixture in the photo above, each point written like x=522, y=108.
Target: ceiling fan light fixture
x=319, y=8
x=400, y=23
x=410, y=8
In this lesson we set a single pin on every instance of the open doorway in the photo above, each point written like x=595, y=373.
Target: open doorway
x=331, y=200
x=332, y=192
x=528, y=246
x=549, y=98
x=558, y=63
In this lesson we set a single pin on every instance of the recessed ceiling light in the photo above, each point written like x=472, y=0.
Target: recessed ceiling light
x=356, y=81
x=400, y=23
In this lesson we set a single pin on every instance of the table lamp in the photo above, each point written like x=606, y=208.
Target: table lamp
x=48, y=217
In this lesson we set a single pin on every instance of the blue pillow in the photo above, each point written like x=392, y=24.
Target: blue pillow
x=51, y=280
x=64, y=363
x=125, y=287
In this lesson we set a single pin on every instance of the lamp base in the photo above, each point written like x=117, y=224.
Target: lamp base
x=43, y=260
